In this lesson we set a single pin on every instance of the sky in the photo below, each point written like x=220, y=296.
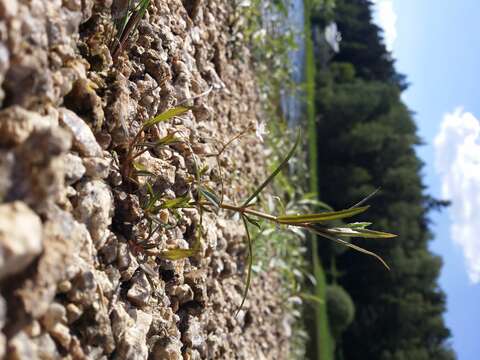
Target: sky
x=435, y=43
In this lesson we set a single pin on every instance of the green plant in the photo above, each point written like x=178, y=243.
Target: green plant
x=126, y=24
x=340, y=309
x=138, y=145
x=206, y=199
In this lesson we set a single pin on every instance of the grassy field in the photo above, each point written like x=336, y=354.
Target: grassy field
x=323, y=341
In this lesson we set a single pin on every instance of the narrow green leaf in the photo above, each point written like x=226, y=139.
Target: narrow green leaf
x=312, y=298
x=253, y=222
x=144, y=173
x=358, y=225
x=177, y=254
x=325, y=216
x=347, y=244
x=274, y=173
x=362, y=233
x=209, y=195
x=203, y=170
x=153, y=198
x=166, y=140
x=180, y=202
x=365, y=199
x=127, y=27
x=138, y=166
x=165, y=116
x=250, y=264
x=141, y=170
x=150, y=189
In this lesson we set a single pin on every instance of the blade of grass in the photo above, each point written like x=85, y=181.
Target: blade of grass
x=210, y=196
x=312, y=298
x=166, y=140
x=357, y=225
x=325, y=216
x=274, y=173
x=250, y=264
x=350, y=245
x=362, y=233
x=134, y=16
x=368, y=197
x=180, y=202
x=165, y=116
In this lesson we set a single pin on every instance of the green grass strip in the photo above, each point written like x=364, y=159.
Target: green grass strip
x=323, y=339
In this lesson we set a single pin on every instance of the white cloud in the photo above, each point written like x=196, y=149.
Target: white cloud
x=386, y=18
x=457, y=148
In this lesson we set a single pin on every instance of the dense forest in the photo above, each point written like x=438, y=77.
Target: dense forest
x=366, y=139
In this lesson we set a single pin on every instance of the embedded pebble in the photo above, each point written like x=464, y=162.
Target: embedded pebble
x=74, y=169
x=20, y=238
x=83, y=139
x=97, y=167
x=140, y=291
x=16, y=124
x=95, y=207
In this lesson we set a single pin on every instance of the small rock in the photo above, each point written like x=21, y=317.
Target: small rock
x=73, y=5
x=169, y=348
x=3, y=345
x=21, y=347
x=56, y=313
x=196, y=279
x=64, y=286
x=83, y=138
x=97, y=168
x=140, y=291
x=16, y=124
x=84, y=99
x=164, y=172
x=47, y=349
x=84, y=290
x=64, y=240
x=7, y=161
x=192, y=337
x=192, y=354
x=164, y=215
x=127, y=207
x=73, y=313
x=123, y=258
x=8, y=8
x=20, y=237
x=61, y=333
x=184, y=293
x=74, y=169
x=115, y=178
x=109, y=249
x=33, y=329
x=3, y=312
x=95, y=207
x=126, y=262
x=38, y=176
x=130, y=332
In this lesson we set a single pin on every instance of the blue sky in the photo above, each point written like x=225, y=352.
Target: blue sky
x=436, y=44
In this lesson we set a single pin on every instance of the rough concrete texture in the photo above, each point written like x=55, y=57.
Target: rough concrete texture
x=74, y=283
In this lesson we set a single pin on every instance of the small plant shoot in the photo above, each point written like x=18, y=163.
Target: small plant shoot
x=206, y=199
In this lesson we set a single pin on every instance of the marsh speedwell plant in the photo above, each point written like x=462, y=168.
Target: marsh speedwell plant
x=206, y=199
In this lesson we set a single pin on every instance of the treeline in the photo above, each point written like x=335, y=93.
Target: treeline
x=366, y=138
